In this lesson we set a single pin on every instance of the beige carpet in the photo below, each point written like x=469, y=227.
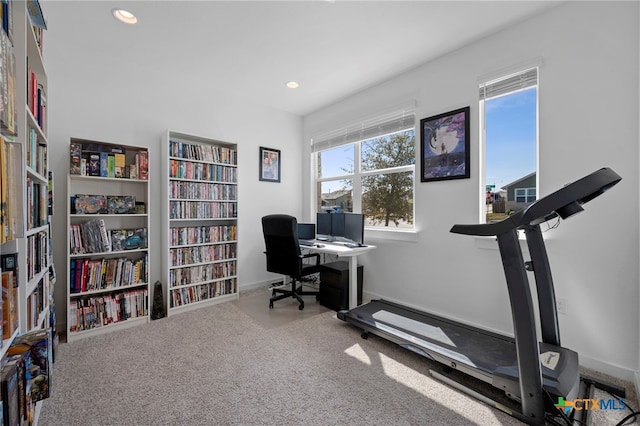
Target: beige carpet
x=221, y=366
x=255, y=303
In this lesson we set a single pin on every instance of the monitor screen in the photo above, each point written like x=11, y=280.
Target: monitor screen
x=354, y=227
x=323, y=224
x=337, y=224
x=306, y=231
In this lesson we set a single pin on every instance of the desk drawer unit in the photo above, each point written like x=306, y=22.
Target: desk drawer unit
x=334, y=285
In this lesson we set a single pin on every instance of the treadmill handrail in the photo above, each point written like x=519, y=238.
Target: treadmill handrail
x=564, y=202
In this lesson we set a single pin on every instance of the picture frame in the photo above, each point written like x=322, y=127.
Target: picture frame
x=270, y=164
x=444, y=146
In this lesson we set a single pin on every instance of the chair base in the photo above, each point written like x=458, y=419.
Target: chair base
x=294, y=292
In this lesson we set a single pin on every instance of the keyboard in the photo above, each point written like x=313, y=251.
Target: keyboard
x=306, y=243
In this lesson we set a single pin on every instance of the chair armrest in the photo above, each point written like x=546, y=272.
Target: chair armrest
x=316, y=255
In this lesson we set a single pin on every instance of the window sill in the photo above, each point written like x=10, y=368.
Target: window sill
x=391, y=234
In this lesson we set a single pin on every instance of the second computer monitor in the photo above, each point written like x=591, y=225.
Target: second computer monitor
x=323, y=224
x=354, y=227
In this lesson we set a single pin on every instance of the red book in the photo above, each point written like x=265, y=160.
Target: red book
x=143, y=165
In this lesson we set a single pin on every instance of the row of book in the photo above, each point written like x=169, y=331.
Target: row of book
x=200, y=254
x=37, y=203
x=37, y=301
x=201, y=274
x=199, y=293
x=10, y=176
x=36, y=98
x=183, y=235
x=208, y=153
x=202, y=191
x=100, y=311
x=36, y=153
x=104, y=274
x=108, y=161
x=202, y=210
x=94, y=237
x=8, y=86
x=180, y=169
x=37, y=253
x=26, y=376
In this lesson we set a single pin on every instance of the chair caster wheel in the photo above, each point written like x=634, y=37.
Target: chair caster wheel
x=364, y=335
x=270, y=305
x=301, y=307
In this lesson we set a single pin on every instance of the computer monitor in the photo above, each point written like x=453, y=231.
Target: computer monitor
x=337, y=224
x=354, y=227
x=306, y=231
x=323, y=224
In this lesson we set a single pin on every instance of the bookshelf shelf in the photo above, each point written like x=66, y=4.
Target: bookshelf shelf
x=108, y=239
x=200, y=221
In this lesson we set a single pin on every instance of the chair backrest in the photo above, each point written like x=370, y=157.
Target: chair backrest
x=281, y=243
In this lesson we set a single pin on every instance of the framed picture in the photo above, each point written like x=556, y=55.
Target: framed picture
x=444, y=146
x=269, y=164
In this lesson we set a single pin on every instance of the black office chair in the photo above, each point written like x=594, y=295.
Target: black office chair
x=284, y=256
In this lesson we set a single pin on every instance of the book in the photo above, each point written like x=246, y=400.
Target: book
x=37, y=345
x=24, y=399
x=111, y=166
x=104, y=164
x=142, y=160
x=10, y=396
x=4, y=187
x=75, y=159
x=119, y=165
x=94, y=165
x=9, y=305
x=35, y=13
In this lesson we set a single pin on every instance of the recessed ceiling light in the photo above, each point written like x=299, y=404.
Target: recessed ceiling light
x=292, y=84
x=124, y=16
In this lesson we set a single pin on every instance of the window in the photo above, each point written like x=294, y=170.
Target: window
x=509, y=115
x=369, y=168
x=525, y=195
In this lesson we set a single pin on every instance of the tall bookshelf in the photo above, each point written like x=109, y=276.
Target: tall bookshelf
x=25, y=223
x=199, y=221
x=108, y=237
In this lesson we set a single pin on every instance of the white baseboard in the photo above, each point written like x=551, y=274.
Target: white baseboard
x=615, y=371
x=257, y=284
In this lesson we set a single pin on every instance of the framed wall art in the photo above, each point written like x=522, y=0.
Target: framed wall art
x=270, y=164
x=444, y=146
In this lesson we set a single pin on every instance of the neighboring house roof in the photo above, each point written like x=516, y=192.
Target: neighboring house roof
x=515, y=182
x=334, y=195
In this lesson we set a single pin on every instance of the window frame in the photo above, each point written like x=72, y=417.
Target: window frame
x=505, y=83
x=356, y=179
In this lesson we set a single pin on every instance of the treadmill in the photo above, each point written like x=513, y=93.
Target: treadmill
x=531, y=372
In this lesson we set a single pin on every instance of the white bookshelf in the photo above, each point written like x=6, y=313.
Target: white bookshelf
x=25, y=144
x=108, y=240
x=200, y=213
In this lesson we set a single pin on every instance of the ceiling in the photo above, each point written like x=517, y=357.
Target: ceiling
x=250, y=49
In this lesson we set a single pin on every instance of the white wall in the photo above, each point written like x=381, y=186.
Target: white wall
x=588, y=119
x=91, y=97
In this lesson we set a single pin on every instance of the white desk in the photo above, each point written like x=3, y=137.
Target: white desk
x=343, y=251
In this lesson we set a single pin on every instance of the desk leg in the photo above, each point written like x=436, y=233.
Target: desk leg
x=353, y=282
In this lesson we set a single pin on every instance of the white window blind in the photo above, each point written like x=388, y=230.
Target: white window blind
x=518, y=81
x=400, y=118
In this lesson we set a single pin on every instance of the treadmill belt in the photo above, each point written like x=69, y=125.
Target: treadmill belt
x=476, y=348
